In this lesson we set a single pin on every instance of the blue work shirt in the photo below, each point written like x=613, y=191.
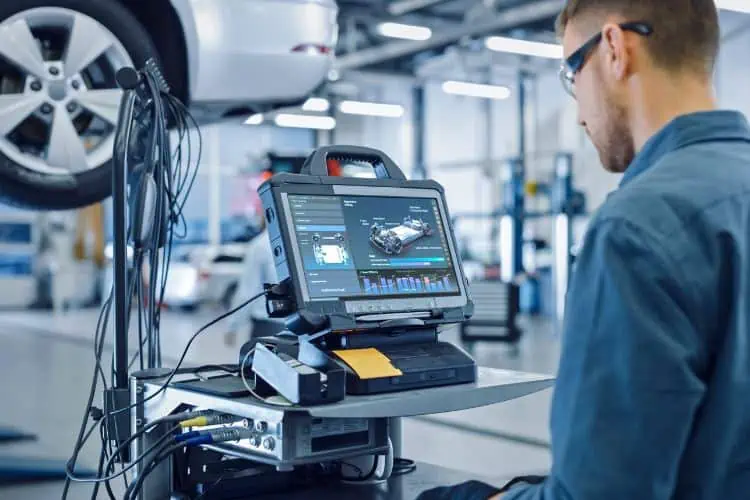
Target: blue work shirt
x=652, y=399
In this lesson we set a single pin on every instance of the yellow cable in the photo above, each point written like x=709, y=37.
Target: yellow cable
x=194, y=422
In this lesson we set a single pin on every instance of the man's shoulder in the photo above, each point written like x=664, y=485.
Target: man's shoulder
x=671, y=197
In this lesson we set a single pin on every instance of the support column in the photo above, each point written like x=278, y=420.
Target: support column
x=562, y=195
x=418, y=119
x=395, y=432
x=214, y=186
x=511, y=223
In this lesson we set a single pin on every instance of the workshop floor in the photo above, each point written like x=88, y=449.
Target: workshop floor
x=46, y=367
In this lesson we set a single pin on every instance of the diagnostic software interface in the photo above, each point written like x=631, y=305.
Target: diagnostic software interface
x=368, y=246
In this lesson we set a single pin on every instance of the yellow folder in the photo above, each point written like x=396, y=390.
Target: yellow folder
x=368, y=363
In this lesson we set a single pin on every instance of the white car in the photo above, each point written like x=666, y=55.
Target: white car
x=59, y=100
x=204, y=274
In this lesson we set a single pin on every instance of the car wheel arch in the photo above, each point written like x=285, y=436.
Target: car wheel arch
x=162, y=22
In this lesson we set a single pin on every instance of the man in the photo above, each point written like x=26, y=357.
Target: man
x=652, y=399
x=258, y=268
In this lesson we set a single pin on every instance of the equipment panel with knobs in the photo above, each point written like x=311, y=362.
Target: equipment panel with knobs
x=298, y=438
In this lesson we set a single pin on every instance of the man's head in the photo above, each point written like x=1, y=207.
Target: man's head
x=667, y=41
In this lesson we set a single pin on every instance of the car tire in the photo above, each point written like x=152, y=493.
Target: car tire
x=28, y=188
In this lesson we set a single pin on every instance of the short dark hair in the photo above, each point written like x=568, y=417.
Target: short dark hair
x=686, y=32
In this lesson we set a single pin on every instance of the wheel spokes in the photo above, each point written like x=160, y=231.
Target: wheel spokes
x=65, y=146
x=18, y=45
x=14, y=109
x=103, y=103
x=88, y=41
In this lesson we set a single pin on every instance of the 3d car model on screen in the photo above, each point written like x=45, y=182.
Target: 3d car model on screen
x=392, y=241
x=330, y=251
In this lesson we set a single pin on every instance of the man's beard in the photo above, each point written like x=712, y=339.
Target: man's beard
x=615, y=145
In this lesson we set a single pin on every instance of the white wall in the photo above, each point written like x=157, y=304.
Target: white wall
x=733, y=71
x=394, y=136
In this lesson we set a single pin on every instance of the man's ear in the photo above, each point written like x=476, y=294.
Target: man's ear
x=616, y=53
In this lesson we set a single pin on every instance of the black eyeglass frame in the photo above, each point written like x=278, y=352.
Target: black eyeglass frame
x=574, y=63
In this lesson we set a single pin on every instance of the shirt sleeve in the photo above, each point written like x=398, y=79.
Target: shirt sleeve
x=631, y=373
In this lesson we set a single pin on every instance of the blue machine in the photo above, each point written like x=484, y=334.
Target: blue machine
x=565, y=204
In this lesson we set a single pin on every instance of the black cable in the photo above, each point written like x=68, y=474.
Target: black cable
x=103, y=314
x=174, y=184
x=106, y=453
x=102, y=317
x=99, y=469
x=82, y=438
x=187, y=114
x=366, y=477
x=174, y=371
x=134, y=279
x=161, y=441
x=141, y=339
x=111, y=462
x=355, y=467
x=165, y=452
x=403, y=466
x=213, y=485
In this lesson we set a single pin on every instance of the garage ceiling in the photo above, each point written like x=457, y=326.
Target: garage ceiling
x=462, y=23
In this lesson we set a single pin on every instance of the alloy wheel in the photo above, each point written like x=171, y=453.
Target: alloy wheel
x=59, y=99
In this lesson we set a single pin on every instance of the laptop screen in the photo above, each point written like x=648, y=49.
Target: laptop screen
x=354, y=246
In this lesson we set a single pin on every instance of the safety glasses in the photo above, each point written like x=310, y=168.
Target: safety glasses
x=575, y=62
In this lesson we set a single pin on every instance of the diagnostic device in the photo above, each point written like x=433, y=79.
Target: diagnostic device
x=372, y=263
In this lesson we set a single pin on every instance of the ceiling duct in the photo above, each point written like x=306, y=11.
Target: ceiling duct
x=505, y=20
x=401, y=7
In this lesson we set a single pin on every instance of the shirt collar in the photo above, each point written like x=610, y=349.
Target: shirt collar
x=684, y=131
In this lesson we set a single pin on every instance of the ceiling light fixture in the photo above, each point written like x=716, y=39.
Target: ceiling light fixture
x=255, y=119
x=318, y=104
x=372, y=109
x=404, y=31
x=476, y=90
x=735, y=5
x=524, y=47
x=305, y=121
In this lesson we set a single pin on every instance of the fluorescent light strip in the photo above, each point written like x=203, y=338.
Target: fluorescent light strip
x=371, y=109
x=476, y=90
x=255, y=119
x=316, y=104
x=404, y=31
x=735, y=5
x=305, y=121
x=524, y=47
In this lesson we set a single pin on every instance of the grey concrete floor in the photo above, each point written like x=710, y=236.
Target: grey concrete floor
x=46, y=364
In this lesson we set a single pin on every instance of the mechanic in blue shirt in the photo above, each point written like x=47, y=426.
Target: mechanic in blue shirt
x=652, y=399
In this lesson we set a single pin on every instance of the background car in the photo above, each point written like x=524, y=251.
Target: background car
x=204, y=275
x=59, y=100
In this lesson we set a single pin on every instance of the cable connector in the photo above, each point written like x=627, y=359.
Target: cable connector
x=154, y=70
x=220, y=436
x=280, y=301
x=96, y=414
x=177, y=417
x=181, y=438
x=203, y=421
